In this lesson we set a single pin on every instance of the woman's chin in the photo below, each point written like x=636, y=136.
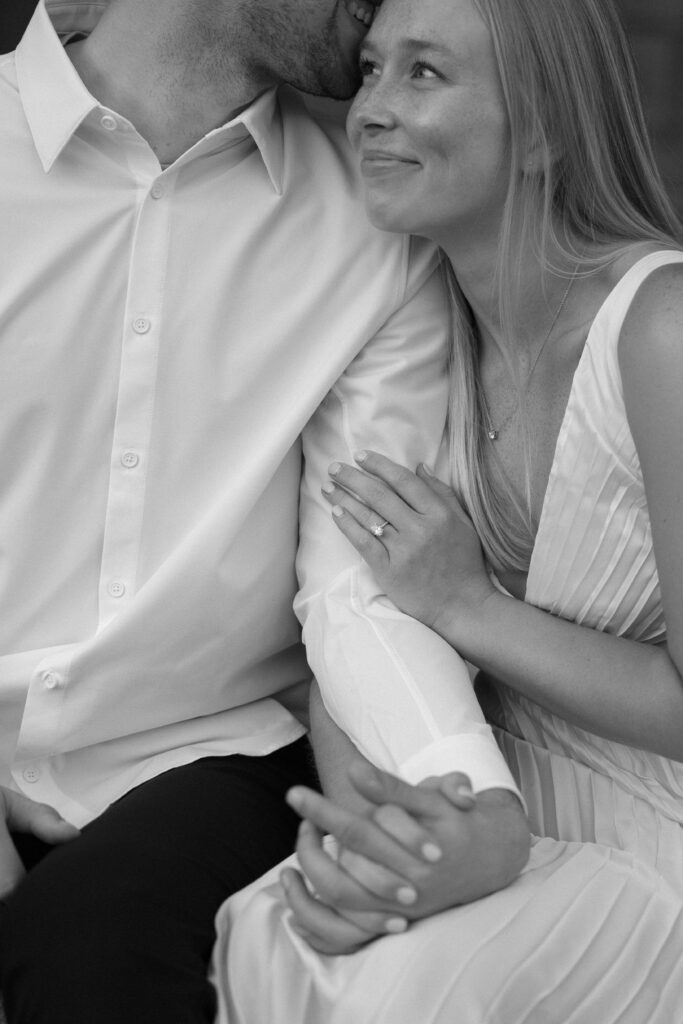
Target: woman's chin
x=387, y=217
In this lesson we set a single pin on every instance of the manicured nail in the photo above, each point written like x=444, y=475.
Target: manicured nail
x=431, y=852
x=426, y=469
x=394, y=925
x=465, y=793
x=337, y=511
x=406, y=895
x=360, y=456
x=328, y=488
x=334, y=468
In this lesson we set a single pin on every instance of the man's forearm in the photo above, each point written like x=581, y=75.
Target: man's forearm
x=334, y=752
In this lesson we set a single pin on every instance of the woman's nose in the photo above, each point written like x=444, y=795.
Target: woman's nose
x=372, y=109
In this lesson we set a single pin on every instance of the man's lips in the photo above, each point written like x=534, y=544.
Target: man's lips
x=362, y=10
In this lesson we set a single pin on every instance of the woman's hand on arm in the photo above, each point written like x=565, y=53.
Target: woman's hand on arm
x=428, y=558
x=617, y=688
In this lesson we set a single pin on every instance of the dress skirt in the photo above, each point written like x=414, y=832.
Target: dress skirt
x=590, y=933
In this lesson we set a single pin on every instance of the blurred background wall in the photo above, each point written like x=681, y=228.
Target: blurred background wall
x=655, y=28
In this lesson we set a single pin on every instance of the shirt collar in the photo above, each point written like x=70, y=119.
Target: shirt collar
x=54, y=98
x=56, y=101
x=263, y=121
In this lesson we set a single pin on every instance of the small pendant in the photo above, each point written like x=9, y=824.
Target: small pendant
x=492, y=434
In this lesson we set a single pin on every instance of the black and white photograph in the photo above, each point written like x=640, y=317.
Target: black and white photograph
x=341, y=512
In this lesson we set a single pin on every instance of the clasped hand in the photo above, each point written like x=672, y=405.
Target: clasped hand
x=415, y=851
x=427, y=557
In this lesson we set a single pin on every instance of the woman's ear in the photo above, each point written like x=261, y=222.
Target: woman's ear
x=541, y=153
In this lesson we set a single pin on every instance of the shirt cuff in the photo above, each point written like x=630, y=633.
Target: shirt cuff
x=474, y=754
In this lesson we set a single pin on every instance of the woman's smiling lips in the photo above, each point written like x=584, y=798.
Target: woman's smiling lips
x=376, y=162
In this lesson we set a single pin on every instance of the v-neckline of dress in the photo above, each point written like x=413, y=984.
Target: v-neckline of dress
x=554, y=473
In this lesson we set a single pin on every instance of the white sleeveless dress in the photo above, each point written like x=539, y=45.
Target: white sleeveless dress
x=592, y=930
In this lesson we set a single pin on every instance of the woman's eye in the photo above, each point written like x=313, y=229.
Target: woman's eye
x=424, y=71
x=367, y=67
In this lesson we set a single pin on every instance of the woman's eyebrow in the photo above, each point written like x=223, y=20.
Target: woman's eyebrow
x=410, y=45
x=425, y=44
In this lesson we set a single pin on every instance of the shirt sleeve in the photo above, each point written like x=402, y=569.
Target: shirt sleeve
x=399, y=691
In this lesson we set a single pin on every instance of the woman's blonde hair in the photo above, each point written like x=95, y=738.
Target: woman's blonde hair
x=569, y=86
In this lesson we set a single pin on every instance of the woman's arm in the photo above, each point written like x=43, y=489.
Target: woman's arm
x=430, y=562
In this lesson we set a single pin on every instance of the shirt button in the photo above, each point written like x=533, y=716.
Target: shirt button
x=130, y=459
x=109, y=123
x=141, y=325
x=116, y=588
x=51, y=680
x=31, y=774
x=157, y=190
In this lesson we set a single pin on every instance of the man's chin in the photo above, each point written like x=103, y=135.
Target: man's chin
x=345, y=93
x=341, y=84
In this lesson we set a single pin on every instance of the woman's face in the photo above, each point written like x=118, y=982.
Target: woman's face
x=429, y=123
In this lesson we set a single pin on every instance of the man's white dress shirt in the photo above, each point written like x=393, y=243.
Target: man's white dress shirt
x=166, y=337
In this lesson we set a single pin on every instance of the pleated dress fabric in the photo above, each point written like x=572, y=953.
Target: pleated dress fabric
x=592, y=930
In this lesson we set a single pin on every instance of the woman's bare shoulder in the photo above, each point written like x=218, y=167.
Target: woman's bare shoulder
x=627, y=257
x=650, y=351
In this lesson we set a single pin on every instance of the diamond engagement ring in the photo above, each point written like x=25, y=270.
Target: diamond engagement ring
x=379, y=528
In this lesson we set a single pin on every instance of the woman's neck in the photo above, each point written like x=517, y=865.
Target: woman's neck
x=539, y=294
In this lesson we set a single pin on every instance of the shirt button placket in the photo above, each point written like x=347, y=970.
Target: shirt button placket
x=129, y=459
x=137, y=389
x=116, y=588
x=141, y=325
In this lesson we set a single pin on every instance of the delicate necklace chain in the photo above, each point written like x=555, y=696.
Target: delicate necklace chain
x=492, y=432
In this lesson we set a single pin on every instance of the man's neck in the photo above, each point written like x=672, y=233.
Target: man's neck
x=164, y=73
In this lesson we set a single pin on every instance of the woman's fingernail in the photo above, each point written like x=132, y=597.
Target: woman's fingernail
x=360, y=456
x=406, y=895
x=426, y=469
x=285, y=881
x=431, y=852
x=294, y=798
x=334, y=468
x=328, y=488
x=337, y=511
x=465, y=793
x=394, y=925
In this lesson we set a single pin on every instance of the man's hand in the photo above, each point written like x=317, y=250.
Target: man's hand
x=419, y=850
x=471, y=854
x=19, y=814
